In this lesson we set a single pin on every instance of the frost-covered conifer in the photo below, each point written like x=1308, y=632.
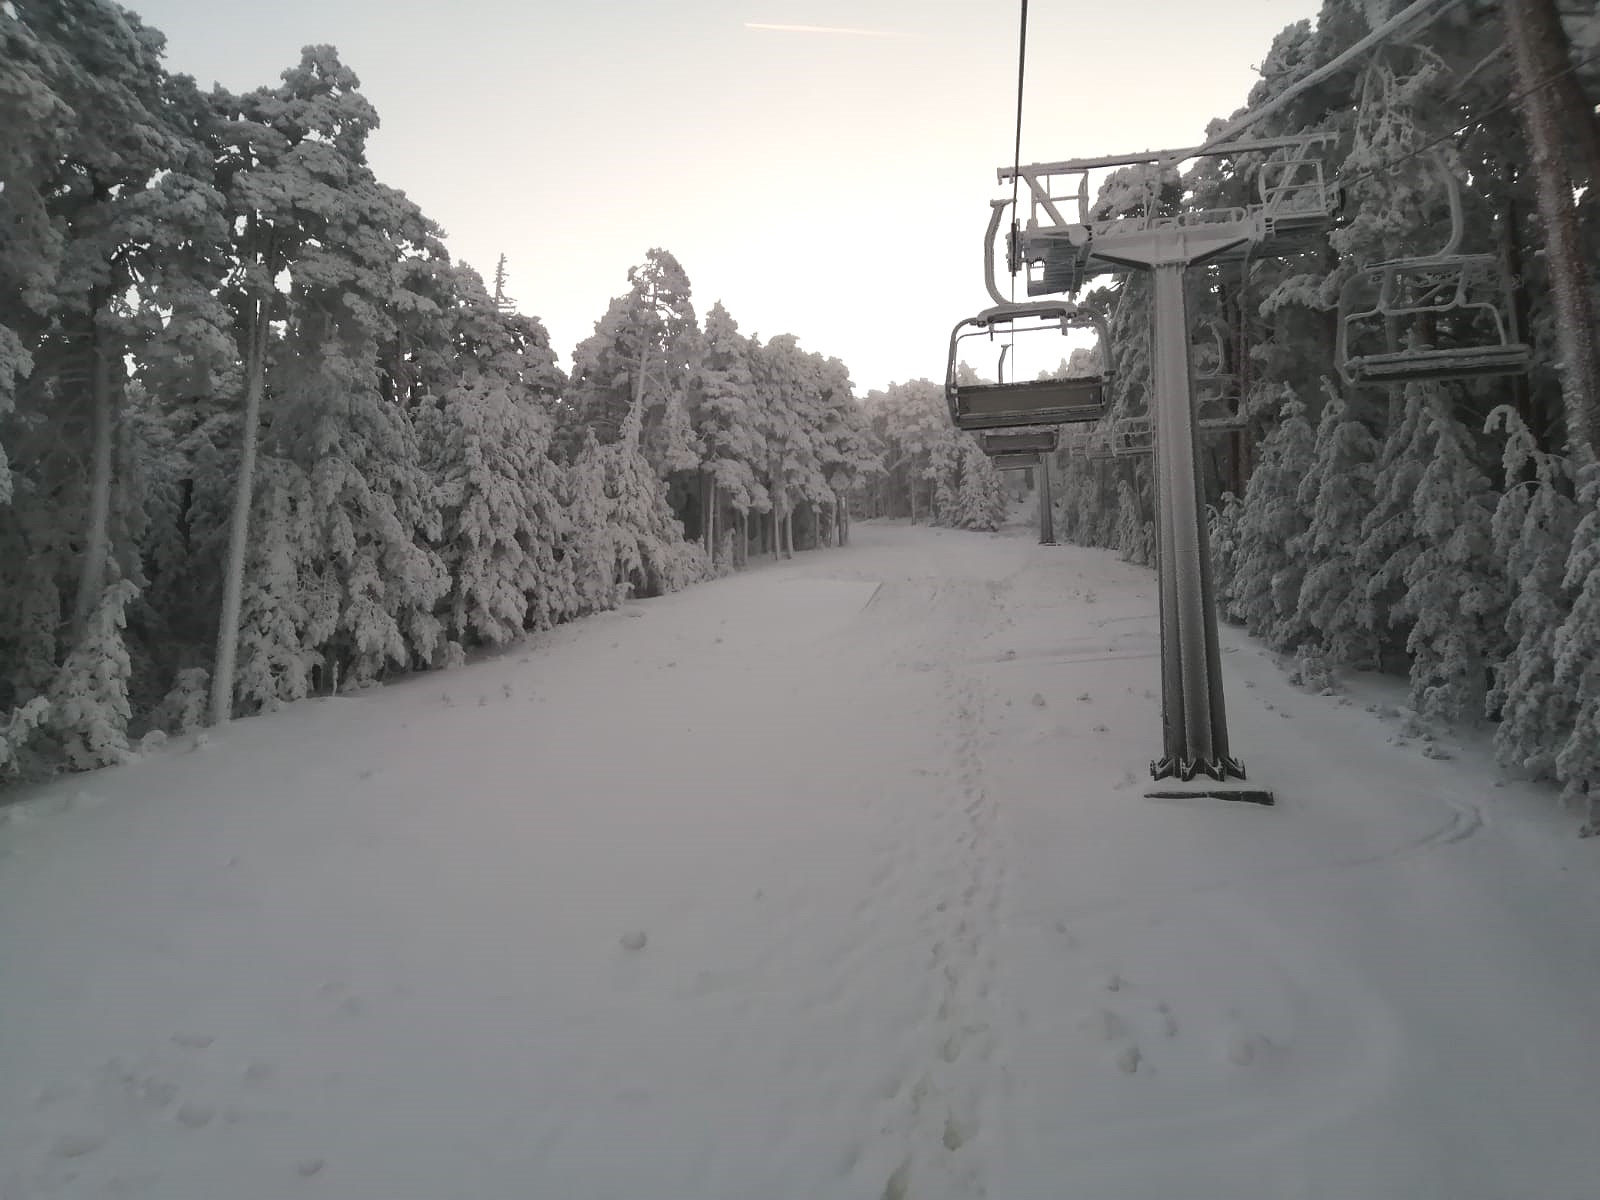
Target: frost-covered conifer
x=1136, y=533
x=275, y=661
x=17, y=731
x=980, y=502
x=1388, y=533
x=1265, y=590
x=651, y=553
x=588, y=545
x=89, y=709
x=1533, y=529
x=501, y=518
x=1337, y=495
x=726, y=417
x=1455, y=595
x=1577, y=663
x=1224, y=540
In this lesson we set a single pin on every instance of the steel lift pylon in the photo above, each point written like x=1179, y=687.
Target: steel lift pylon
x=1059, y=255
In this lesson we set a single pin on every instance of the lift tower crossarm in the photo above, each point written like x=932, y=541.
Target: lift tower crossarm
x=1210, y=149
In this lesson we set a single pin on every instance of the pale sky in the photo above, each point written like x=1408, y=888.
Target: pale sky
x=833, y=182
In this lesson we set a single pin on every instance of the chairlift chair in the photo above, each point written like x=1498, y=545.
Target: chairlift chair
x=1131, y=436
x=1021, y=441
x=1098, y=447
x=1076, y=442
x=1016, y=461
x=981, y=406
x=1467, y=295
x=1216, y=394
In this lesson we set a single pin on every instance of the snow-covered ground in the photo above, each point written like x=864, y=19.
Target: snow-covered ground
x=832, y=879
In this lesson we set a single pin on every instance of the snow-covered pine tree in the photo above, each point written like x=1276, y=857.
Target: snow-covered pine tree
x=1388, y=532
x=793, y=417
x=726, y=420
x=1455, y=595
x=503, y=301
x=910, y=420
x=640, y=356
x=652, y=556
x=89, y=709
x=105, y=225
x=275, y=662
x=1336, y=495
x=376, y=510
x=1223, y=526
x=845, y=445
x=1577, y=664
x=488, y=450
x=589, y=539
x=124, y=199
x=289, y=158
x=1533, y=529
x=36, y=124
x=980, y=501
x=943, y=473
x=1265, y=589
x=1135, y=532
x=17, y=732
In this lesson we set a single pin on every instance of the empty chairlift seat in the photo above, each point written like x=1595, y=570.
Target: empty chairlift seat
x=980, y=406
x=1440, y=316
x=1018, y=460
x=1455, y=307
x=1132, y=435
x=1023, y=440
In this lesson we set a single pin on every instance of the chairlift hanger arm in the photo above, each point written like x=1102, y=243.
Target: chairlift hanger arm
x=1002, y=314
x=997, y=210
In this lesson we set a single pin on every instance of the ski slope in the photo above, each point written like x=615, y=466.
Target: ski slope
x=835, y=878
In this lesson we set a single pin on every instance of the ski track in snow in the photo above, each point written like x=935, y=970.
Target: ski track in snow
x=833, y=878
x=941, y=1098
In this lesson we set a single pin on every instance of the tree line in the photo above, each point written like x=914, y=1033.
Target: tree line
x=262, y=438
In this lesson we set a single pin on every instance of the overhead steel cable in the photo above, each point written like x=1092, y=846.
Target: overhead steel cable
x=1476, y=123
x=1400, y=20
x=1016, y=160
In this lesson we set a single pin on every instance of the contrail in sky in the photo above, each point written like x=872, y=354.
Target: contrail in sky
x=889, y=33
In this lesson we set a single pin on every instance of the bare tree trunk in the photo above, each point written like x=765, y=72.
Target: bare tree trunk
x=711, y=525
x=702, y=502
x=1508, y=233
x=1578, y=117
x=1539, y=55
x=96, y=550
x=239, y=528
x=788, y=532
